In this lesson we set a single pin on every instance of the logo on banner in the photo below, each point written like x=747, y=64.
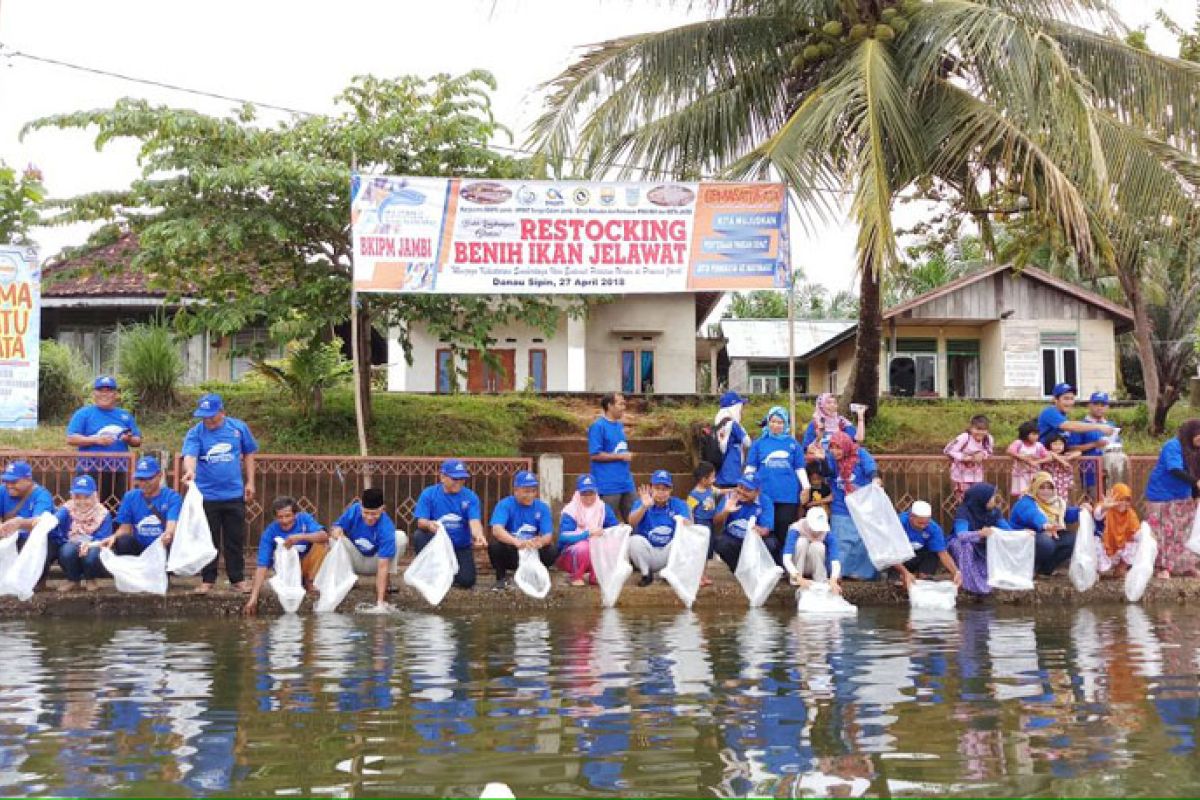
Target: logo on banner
x=671, y=195
x=526, y=196
x=486, y=193
x=581, y=196
x=608, y=196
x=554, y=196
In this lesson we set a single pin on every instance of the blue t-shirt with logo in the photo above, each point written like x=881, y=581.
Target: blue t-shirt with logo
x=219, y=456
x=93, y=420
x=762, y=510
x=612, y=477
x=775, y=459
x=371, y=540
x=658, y=523
x=454, y=511
x=149, y=516
x=304, y=523
x=932, y=538
x=703, y=504
x=523, y=522
x=37, y=502
x=61, y=535
x=1050, y=422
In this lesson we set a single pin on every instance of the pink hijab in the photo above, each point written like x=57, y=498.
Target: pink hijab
x=587, y=518
x=827, y=423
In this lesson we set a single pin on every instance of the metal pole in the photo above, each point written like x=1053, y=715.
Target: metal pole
x=356, y=360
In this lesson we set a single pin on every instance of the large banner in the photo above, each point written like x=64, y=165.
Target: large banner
x=20, y=324
x=458, y=236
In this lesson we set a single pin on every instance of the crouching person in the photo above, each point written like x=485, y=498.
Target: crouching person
x=810, y=554
x=929, y=542
x=520, y=522
x=744, y=503
x=375, y=542
x=450, y=504
x=147, y=512
x=653, y=523
x=298, y=530
x=22, y=502
x=83, y=523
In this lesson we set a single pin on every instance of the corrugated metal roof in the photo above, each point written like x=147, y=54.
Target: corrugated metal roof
x=767, y=338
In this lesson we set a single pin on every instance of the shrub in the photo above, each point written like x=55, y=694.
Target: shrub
x=151, y=365
x=62, y=380
x=307, y=372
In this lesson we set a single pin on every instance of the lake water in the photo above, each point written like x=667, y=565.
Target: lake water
x=983, y=701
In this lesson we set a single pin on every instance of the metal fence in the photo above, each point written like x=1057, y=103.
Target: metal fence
x=55, y=469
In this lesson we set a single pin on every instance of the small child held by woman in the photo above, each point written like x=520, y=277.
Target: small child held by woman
x=1028, y=454
x=1061, y=465
x=967, y=452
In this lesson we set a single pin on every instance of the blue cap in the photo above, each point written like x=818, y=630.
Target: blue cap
x=1063, y=388
x=16, y=470
x=586, y=483
x=1100, y=398
x=731, y=399
x=661, y=478
x=147, y=467
x=209, y=406
x=83, y=484
x=105, y=382
x=525, y=480
x=749, y=481
x=456, y=469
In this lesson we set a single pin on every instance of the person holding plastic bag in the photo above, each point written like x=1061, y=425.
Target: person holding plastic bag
x=852, y=467
x=653, y=523
x=22, y=502
x=454, y=506
x=519, y=522
x=376, y=543
x=300, y=531
x=147, y=512
x=977, y=518
x=746, y=502
x=83, y=522
x=929, y=543
x=1042, y=511
x=1170, y=500
x=1118, y=523
x=582, y=519
x=778, y=460
x=810, y=554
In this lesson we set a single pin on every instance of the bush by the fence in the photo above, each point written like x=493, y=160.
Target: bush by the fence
x=62, y=380
x=151, y=365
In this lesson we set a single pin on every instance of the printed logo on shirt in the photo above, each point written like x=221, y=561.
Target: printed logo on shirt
x=739, y=525
x=526, y=531
x=219, y=453
x=364, y=544
x=149, y=527
x=466, y=505
x=111, y=430
x=621, y=447
x=451, y=522
x=779, y=459
x=660, y=534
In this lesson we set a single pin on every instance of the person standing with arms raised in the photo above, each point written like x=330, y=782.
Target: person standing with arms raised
x=216, y=452
x=610, y=456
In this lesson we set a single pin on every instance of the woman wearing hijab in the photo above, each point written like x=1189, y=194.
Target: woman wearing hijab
x=1170, y=503
x=978, y=517
x=584, y=518
x=826, y=421
x=732, y=439
x=852, y=467
x=1120, y=524
x=83, y=522
x=778, y=461
x=1042, y=511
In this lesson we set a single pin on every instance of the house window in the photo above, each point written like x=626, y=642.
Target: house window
x=833, y=376
x=537, y=370
x=921, y=380
x=445, y=371
x=1060, y=360
x=962, y=368
x=250, y=344
x=772, y=378
x=637, y=371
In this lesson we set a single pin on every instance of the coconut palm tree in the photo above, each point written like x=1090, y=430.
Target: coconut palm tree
x=864, y=98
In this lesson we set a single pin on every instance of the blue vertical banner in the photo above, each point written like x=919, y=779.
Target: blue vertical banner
x=20, y=327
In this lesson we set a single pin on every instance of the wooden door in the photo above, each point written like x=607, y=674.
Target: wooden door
x=482, y=377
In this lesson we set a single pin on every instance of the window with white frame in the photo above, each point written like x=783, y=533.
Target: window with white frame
x=1060, y=360
x=924, y=355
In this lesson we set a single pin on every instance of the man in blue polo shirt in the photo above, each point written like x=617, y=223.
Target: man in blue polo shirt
x=457, y=509
x=611, y=458
x=215, y=452
x=653, y=522
x=22, y=501
x=520, y=522
x=147, y=512
x=300, y=531
x=376, y=542
x=746, y=502
x=102, y=427
x=928, y=542
x=1092, y=443
x=1054, y=420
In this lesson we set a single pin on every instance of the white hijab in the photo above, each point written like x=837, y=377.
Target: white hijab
x=734, y=413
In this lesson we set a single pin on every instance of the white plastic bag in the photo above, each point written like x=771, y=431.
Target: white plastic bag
x=432, y=572
x=1193, y=542
x=141, y=573
x=532, y=577
x=8, y=554
x=610, y=562
x=286, y=581
x=756, y=571
x=192, y=548
x=882, y=534
x=938, y=595
x=1085, y=558
x=1010, y=557
x=336, y=577
x=26, y=569
x=686, y=561
x=818, y=598
x=1138, y=577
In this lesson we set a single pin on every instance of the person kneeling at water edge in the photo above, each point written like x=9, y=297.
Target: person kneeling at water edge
x=653, y=522
x=1041, y=510
x=458, y=510
x=376, y=542
x=929, y=543
x=298, y=529
x=148, y=511
x=810, y=554
x=83, y=522
x=583, y=519
x=977, y=518
x=737, y=508
x=520, y=522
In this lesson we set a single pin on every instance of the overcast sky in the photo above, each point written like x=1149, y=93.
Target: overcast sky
x=300, y=54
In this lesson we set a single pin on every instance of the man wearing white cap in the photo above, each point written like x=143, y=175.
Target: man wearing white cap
x=810, y=553
x=929, y=543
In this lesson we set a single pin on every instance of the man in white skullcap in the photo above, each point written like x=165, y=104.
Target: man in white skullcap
x=928, y=542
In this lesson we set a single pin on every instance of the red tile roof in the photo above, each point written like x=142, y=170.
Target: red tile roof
x=103, y=272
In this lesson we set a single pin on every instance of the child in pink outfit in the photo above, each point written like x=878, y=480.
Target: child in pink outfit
x=1061, y=465
x=1028, y=455
x=967, y=453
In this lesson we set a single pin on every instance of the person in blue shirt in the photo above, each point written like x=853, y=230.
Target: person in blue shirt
x=610, y=456
x=147, y=512
x=83, y=522
x=520, y=522
x=1042, y=511
x=215, y=452
x=702, y=502
x=851, y=467
x=653, y=522
x=582, y=519
x=746, y=502
x=298, y=530
x=22, y=501
x=732, y=438
x=810, y=553
x=456, y=508
x=102, y=427
x=1091, y=444
x=778, y=460
x=1170, y=504
x=1054, y=420
x=929, y=543
x=365, y=524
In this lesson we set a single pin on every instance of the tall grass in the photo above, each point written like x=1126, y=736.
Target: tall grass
x=151, y=365
x=62, y=380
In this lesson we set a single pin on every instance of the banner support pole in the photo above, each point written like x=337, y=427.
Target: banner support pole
x=356, y=360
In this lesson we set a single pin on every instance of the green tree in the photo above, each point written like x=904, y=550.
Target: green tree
x=933, y=264
x=865, y=99
x=255, y=218
x=764, y=304
x=20, y=196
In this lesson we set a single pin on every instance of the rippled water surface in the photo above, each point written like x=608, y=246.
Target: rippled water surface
x=985, y=701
